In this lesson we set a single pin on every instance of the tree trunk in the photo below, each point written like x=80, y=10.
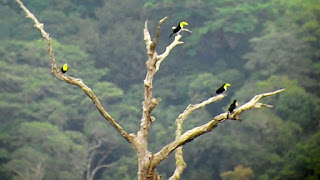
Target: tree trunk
x=145, y=157
x=145, y=172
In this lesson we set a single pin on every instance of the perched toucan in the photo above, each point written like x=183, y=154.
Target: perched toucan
x=64, y=68
x=223, y=88
x=233, y=106
x=178, y=28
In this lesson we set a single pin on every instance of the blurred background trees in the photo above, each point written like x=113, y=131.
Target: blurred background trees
x=47, y=127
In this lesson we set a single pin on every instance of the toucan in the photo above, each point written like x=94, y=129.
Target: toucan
x=178, y=28
x=64, y=68
x=233, y=106
x=223, y=88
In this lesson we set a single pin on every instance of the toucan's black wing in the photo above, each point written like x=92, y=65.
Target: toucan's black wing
x=232, y=106
x=177, y=29
x=220, y=90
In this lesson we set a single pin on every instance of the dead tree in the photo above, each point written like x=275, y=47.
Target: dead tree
x=95, y=151
x=148, y=161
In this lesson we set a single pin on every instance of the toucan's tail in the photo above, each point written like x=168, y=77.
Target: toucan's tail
x=171, y=35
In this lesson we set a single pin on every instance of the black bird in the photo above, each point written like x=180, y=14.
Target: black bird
x=233, y=106
x=223, y=88
x=178, y=28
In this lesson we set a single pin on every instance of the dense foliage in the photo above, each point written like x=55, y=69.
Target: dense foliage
x=47, y=126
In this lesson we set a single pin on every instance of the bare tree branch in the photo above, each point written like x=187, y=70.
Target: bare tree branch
x=96, y=169
x=155, y=40
x=161, y=57
x=253, y=103
x=153, y=64
x=152, y=67
x=197, y=131
x=104, y=157
x=97, y=146
x=147, y=38
x=99, y=165
x=92, y=153
x=180, y=163
x=72, y=80
x=175, y=42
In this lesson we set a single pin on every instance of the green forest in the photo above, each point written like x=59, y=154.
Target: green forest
x=49, y=128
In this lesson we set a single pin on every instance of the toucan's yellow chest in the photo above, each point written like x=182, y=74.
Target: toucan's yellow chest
x=64, y=68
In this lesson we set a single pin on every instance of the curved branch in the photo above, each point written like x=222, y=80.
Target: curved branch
x=96, y=169
x=180, y=163
x=92, y=153
x=72, y=80
x=99, y=165
x=192, y=107
x=197, y=131
x=97, y=146
x=161, y=57
x=175, y=42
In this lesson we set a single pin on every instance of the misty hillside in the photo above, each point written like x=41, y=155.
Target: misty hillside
x=47, y=127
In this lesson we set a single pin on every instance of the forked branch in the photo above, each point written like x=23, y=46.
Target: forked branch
x=162, y=56
x=197, y=131
x=72, y=80
x=153, y=64
x=180, y=163
x=175, y=42
x=149, y=103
